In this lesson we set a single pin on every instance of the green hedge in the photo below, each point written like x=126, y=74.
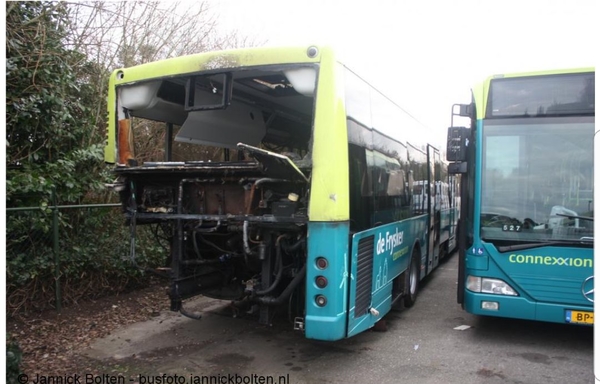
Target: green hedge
x=93, y=255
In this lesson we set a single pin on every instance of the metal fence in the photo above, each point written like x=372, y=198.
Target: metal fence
x=69, y=244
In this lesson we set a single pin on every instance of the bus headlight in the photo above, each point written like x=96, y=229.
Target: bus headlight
x=486, y=285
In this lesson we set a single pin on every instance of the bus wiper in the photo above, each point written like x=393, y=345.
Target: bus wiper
x=518, y=247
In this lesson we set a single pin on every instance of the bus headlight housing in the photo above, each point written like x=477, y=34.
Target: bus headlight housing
x=487, y=285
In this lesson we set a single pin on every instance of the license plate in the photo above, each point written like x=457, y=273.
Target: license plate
x=579, y=317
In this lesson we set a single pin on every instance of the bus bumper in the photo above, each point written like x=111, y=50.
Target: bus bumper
x=325, y=328
x=522, y=308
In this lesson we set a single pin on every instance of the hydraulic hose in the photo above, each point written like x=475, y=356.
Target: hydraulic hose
x=279, y=265
x=268, y=300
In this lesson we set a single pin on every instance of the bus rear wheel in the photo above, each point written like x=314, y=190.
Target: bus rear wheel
x=412, y=280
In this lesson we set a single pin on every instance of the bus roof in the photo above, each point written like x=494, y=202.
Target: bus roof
x=221, y=60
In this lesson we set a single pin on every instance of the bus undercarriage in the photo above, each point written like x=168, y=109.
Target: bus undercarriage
x=236, y=230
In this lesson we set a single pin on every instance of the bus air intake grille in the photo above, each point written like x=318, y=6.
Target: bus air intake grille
x=552, y=288
x=364, y=275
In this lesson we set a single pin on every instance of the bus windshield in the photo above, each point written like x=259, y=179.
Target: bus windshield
x=537, y=179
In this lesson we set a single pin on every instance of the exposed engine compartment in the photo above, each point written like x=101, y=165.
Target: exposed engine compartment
x=235, y=233
x=229, y=192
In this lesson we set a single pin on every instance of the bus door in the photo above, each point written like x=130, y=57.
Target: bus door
x=434, y=177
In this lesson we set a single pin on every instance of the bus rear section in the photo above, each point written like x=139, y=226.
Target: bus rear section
x=527, y=250
x=269, y=186
x=214, y=152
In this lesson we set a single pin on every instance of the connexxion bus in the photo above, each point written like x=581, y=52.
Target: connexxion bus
x=526, y=243
x=281, y=181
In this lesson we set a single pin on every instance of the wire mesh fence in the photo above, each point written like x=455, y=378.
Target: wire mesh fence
x=58, y=255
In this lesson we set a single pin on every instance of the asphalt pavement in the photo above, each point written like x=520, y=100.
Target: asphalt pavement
x=433, y=342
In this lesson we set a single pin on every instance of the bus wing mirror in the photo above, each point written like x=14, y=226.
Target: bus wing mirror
x=465, y=110
x=456, y=149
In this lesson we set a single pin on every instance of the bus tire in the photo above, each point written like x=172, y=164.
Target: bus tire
x=412, y=280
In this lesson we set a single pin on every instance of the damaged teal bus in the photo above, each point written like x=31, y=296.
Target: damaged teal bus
x=281, y=181
x=527, y=225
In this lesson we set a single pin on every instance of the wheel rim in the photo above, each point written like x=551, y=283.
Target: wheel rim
x=413, y=278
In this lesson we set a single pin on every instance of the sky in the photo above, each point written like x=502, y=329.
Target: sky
x=426, y=55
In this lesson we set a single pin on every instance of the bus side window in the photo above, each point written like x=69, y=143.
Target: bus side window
x=381, y=181
x=395, y=185
x=366, y=184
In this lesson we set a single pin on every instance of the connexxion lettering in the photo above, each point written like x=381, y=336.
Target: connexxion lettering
x=552, y=260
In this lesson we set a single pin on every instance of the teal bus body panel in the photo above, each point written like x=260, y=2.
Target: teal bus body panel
x=328, y=240
x=550, y=274
x=548, y=280
x=382, y=302
x=393, y=245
